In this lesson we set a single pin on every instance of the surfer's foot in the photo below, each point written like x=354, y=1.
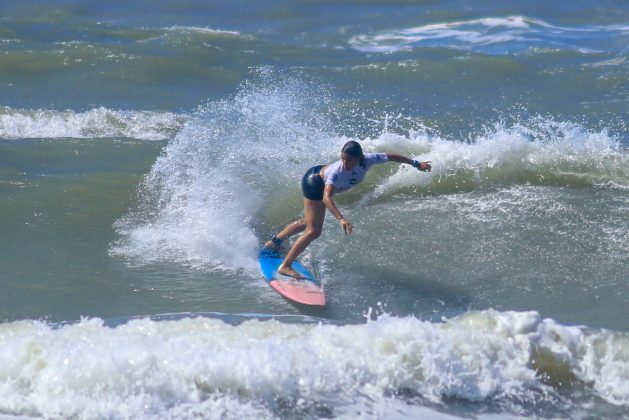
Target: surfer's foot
x=274, y=243
x=288, y=271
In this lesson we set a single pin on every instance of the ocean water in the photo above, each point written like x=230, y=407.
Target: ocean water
x=148, y=148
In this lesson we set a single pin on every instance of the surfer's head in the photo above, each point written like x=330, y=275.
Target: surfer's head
x=352, y=155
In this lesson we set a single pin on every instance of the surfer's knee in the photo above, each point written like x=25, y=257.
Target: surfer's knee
x=314, y=232
x=298, y=225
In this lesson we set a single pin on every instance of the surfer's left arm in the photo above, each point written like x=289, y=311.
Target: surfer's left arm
x=422, y=166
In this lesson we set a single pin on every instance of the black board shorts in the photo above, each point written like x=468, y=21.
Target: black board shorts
x=312, y=184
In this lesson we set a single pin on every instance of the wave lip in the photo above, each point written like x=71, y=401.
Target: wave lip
x=495, y=34
x=203, y=30
x=180, y=33
x=145, y=367
x=95, y=123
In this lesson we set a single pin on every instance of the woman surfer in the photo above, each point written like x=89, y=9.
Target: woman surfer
x=319, y=185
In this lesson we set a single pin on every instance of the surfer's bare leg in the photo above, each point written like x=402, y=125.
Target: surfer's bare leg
x=290, y=230
x=314, y=214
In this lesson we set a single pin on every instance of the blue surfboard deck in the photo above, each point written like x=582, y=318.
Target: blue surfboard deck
x=270, y=261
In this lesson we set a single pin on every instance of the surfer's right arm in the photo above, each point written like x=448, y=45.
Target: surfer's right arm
x=331, y=205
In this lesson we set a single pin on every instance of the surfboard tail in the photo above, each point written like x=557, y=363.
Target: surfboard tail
x=301, y=291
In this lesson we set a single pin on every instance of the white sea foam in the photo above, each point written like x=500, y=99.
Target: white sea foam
x=481, y=33
x=95, y=123
x=201, y=366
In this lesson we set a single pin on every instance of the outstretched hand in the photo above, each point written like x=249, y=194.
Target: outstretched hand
x=424, y=166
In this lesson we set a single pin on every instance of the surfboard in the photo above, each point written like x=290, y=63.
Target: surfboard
x=304, y=291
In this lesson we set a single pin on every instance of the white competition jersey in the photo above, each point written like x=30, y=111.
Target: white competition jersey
x=344, y=180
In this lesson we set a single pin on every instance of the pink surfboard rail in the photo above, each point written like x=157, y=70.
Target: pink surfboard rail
x=301, y=291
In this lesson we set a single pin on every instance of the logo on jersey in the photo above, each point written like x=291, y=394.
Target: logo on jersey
x=353, y=181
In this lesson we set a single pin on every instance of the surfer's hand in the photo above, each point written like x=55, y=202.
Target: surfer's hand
x=346, y=225
x=424, y=166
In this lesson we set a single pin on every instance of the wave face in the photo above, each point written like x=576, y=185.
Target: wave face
x=233, y=171
x=499, y=35
x=205, y=367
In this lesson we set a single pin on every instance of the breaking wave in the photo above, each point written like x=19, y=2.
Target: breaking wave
x=207, y=368
x=95, y=123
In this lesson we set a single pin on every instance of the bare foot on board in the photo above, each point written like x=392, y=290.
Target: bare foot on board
x=288, y=271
